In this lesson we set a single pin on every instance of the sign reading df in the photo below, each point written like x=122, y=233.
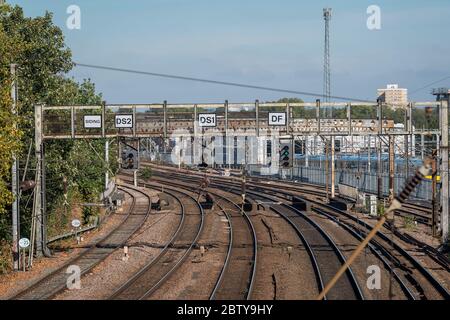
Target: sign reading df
x=277, y=118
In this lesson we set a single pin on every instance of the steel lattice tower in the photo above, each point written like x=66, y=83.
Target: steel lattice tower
x=326, y=62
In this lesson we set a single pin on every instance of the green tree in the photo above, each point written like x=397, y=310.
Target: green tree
x=10, y=136
x=37, y=46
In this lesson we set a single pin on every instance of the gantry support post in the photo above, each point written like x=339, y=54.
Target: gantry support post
x=15, y=178
x=257, y=117
x=369, y=163
x=444, y=170
x=106, y=144
x=165, y=124
x=422, y=146
x=38, y=188
x=379, y=150
x=333, y=171
x=318, y=115
x=106, y=163
x=307, y=150
x=196, y=136
x=406, y=143
x=288, y=117
x=228, y=149
x=327, y=168
x=349, y=118
x=391, y=166
x=165, y=118
x=434, y=220
x=408, y=136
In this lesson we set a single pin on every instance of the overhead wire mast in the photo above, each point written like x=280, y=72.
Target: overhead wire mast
x=411, y=184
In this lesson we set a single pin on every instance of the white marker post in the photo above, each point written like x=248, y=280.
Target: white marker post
x=125, y=254
x=76, y=224
x=24, y=243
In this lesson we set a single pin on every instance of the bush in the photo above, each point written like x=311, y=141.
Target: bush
x=145, y=173
x=5, y=257
x=409, y=222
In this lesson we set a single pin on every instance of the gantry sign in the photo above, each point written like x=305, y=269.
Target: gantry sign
x=164, y=120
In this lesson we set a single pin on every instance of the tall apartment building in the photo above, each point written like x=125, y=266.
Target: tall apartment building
x=393, y=95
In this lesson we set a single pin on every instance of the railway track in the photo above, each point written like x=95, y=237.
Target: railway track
x=54, y=283
x=143, y=284
x=407, y=263
x=433, y=253
x=421, y=283
x=237, y=276
x=325, y=255
x=420, y=213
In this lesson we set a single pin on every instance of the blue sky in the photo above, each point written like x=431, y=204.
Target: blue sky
x=267, y=43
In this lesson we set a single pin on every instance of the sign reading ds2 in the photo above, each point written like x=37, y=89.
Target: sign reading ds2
x=207, y=120
x=277, y=118
x=124, y=121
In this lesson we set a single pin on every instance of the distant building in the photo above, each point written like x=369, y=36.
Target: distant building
x=393, y=95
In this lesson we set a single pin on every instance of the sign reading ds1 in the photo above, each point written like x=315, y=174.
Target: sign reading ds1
x=207, y=120
x=277, y=118
x=124, y=121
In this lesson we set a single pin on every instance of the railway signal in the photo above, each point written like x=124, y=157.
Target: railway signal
x=285, y=153
x=130, y=155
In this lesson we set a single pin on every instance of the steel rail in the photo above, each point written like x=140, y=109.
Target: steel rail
x=350, y=275
x=339, y=254
x=53, y=293
x=373, y=247
x=132, y=281
x=254, y=239
x=434, y=282
x=228, y=256
x=310, y=251
x=420, y=218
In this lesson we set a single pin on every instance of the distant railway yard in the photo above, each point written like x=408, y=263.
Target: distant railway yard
x=185, y=234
